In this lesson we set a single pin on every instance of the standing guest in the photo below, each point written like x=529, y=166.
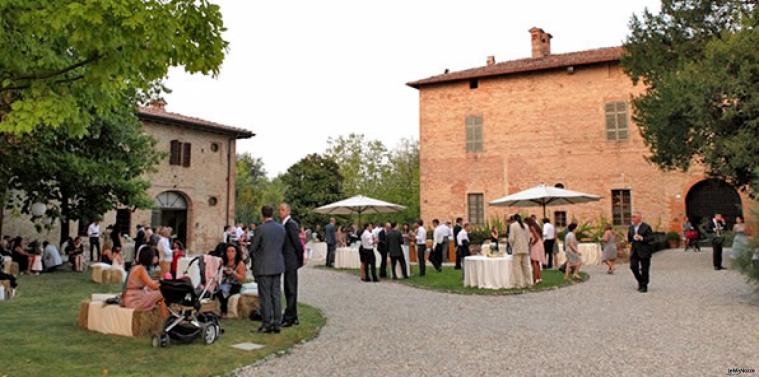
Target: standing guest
x=440, y=240
x=142, y=292
x=341, y=236
x=164, y=251
x=640, y=236
x=293, y=252
x=225, y=235
x=537, y=250
x=494, y=236
x=331, y=239
x=267, y=253
x=75, y=252
x=447, y=247
x=549, y=239
x=51, y=257
x=716, y=229
x=19, y=254
x=690, y=236
x=366, y=253
x=610, y=248
x=93, y=232
x=462, y=246
x=407, y=238
x=115, y=236
x=234, y=276
x=394, y=241
x=519, y=239
x=456, y=229
x=354, y=236
x=139, y=237
x=421, y=246
x=740, y=241
x=177, y=253
x=382, y=249
x=574, y=257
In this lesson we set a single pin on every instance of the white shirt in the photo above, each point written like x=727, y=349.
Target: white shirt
x=367, y=239
x=440, y=233
x=463, y=236
x=450, y=232
x=165, y=249
x=51, y=256
x=549, y=232
x=93, y=230
x=421, y=236
x=284, y=221
x=376, y=232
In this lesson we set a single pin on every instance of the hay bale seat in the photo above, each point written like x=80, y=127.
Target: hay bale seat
x=10, y=267
x=104, y=274
x=95, y=315
x=6, y=285
x=242, y=304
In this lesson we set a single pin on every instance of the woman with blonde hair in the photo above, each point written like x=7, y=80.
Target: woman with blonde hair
x=165, y=253
x=537, y=250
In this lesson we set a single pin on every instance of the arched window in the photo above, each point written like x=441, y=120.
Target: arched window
x=170, y=200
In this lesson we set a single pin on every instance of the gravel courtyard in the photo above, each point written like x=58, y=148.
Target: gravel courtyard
x=694, y=321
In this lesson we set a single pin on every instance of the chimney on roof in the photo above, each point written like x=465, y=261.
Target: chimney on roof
x=157, y=104
x=491, y=60
x=541, y=42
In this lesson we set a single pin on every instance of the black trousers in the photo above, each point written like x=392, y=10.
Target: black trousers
x=421, y=258
x=717, y=253
x=548, y=245
x=94, y=244
x=224, y=301
x=9, y=277
x=459, y=257
x=640, y=267
x=394, y=261
x=436, y=258
x=368, y=259
x=331, y=254
x=291, y=295
x=270, y=294
x=383, y=262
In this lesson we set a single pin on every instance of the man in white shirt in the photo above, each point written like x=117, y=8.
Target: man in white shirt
x=549, y=238
x=93, y=232
x=366, y=253
x=51, y=257
x=421, y=246
x=462, y=246
x=439, y=241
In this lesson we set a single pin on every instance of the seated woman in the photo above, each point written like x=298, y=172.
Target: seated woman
x=141, y=291
x=574, y=258
x=75, y=251
x=234, y=276
x=107, y=255
x=117, y=260
x=19, y=254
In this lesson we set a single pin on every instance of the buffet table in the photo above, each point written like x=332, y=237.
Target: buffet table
x=589, y=252
x=489, y=273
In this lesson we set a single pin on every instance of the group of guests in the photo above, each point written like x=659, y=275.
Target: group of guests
x=714, y=231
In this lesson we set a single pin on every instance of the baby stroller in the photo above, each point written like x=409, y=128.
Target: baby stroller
x=186, y=321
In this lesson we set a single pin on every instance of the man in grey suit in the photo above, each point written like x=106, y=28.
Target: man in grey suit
x=268, y=266
x=394, y=241
x=331, y=239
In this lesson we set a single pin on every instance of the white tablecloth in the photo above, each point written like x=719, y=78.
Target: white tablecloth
x=193, y=273
x=348, y=257
x=489, y=273
x=316, y=251
x=590, y=253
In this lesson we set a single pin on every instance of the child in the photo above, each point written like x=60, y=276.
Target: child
x=35, y=261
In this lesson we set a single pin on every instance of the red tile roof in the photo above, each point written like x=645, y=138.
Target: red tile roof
x=158, y=115
x=601, y=55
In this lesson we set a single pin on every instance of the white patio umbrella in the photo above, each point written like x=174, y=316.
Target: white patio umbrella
x=544, y=196
x=359, y=205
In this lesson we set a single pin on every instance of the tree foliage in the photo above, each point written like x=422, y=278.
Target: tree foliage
x=80, y=177
x=253, y=189
x=66, y=63
x=699, y=62
x=313, y=181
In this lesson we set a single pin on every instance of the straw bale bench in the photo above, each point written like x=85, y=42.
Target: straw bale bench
x=95, y=315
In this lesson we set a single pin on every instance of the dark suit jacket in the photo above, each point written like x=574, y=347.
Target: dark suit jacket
x=642, y=248
x=394, y=241
x=382, y=241
x=139, y=239
x=267, y=249
x=293, y=248
x=329, y=234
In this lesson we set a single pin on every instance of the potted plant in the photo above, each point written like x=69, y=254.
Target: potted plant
x=673, y=240
x=477, y=237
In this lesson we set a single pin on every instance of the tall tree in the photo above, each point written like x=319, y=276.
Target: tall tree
x=312, y=182
x=700, y=65
x=250, y=185
x=80, y=178
x=66, y=63
x=362, y=163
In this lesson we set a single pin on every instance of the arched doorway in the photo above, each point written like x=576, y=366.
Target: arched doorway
x=712, y=196
x=171, y=210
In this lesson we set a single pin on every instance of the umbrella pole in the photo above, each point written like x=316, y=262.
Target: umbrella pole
x=544, y=211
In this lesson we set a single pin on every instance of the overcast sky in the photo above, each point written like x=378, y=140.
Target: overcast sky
x=298, y=72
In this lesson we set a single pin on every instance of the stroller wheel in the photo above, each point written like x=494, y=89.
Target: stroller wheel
x=210, y=332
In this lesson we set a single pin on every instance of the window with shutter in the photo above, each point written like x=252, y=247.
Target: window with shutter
x=616, y=120
x=473, y=134
x=476, y=207
x=175, y=153
x=621, y=210
x=186, y=148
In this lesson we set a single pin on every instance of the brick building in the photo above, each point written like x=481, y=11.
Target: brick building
x=558, y=119
x=193, y=187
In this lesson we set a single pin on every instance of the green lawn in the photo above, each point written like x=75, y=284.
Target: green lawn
x=39, y=337
x=449, y=280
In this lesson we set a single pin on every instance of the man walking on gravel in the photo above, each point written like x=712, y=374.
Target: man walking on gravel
x=640, y=237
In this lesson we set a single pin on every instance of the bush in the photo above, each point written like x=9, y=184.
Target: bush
x=673, y=236
x=747, y=261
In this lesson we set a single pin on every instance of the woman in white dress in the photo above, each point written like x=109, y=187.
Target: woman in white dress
x=164, y=250
x=740, y=241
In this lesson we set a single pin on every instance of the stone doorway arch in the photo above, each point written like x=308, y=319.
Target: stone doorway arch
x=712, y=196
x=171, y=209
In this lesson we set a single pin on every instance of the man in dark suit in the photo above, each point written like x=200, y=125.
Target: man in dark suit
x=640, y=236
x=268, y=266
x=456, y=229
x=139, y=237
x=293, y=253
x=716, y=228
x=395, y=250
x=330, y=237
x=382, y=250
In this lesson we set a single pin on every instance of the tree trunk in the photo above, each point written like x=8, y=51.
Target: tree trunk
x=64, y=218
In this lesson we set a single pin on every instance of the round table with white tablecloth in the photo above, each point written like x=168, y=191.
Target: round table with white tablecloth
x=348, y=257
x=489, y=273
x=589, y=252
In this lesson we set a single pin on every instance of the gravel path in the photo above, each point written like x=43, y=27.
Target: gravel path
x=693, y=321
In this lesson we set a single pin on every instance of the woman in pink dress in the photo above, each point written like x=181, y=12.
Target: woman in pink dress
x=537, y=252
x=141, y=291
